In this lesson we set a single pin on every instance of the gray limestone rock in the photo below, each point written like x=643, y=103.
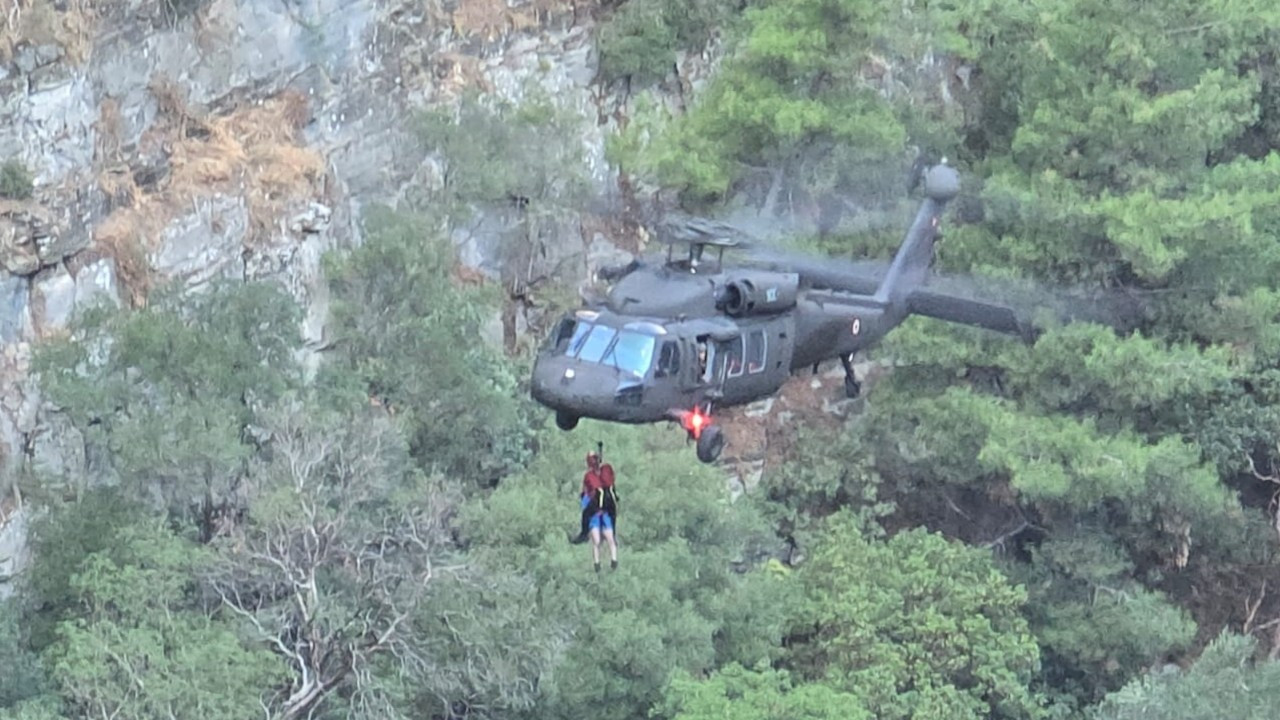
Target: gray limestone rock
x=48, y=53
x=28, y=58
x=363, y=75
x=314, y=219
x=21, y=398
x=23, y=227
x=557, y=63
x=17, y=252
x=19, y=403
x=58, y=450
x=25, y=59
x=56, y=122
x=15, y=311
x=13, y=446
x=53, y=298
x=15, y=553
x=206, y=243
x=602, y=253
x=480, y=242
x=96, y=282
x=48, y=125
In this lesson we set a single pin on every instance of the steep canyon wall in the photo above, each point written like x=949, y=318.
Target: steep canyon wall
x=185, y=140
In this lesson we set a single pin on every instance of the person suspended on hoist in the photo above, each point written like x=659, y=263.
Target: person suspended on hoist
x=599, y=502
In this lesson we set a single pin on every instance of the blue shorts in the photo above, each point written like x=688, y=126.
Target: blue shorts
x=600, y=519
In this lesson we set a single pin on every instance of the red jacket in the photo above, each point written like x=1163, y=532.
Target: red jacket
x=594, y=480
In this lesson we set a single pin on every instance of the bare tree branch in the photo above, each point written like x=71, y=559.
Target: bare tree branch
x=1251, y=609
x=328, y=572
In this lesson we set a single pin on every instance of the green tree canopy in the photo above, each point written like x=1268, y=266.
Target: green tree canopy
x=640, y=41
x=1223, y=682
x=675, y=601
x=789, y=104
x=144, y=648
x=24, y=677
x=915, y=626
x=741, y=694
x=409, y=337
x=169, y=393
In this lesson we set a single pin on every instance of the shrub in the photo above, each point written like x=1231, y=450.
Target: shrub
x=15, y=180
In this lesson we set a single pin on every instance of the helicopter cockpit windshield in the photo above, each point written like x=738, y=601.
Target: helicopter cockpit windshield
x=629, y=349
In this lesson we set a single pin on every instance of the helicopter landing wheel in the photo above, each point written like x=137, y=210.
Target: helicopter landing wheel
x=566, y=421
x=710, y=443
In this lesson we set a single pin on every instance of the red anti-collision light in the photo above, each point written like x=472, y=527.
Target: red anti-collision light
x=694, y=422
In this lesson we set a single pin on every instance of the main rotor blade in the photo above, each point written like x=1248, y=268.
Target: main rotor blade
x=1002, y=304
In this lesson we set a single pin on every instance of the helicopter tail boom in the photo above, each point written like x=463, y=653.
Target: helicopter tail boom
x=1022, y=308
x=967, y=311
x=911, y=264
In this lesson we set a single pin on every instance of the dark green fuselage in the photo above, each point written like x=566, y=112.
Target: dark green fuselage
x=674, y=336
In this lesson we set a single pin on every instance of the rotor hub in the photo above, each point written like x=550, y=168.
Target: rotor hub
x=941, y=183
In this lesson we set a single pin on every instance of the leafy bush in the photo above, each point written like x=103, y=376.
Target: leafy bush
x=493, y=151
x=1222, y=683
x=637, y=44
x=916, y=626
x=642, y=39
x=15, y=180
x=410, y=338
x=784, y=110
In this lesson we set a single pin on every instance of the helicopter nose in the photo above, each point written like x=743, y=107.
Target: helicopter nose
x=586, y=389
x=554, y=371
x=554, y=379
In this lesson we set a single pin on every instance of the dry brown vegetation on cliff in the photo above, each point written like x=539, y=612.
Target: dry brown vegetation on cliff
x=492, y=19
x=39, y=22
x=254, y=151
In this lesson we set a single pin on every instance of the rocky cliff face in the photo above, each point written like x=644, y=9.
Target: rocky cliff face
x=185, y=140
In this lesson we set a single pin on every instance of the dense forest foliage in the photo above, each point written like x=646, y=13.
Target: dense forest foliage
x=1081, y=527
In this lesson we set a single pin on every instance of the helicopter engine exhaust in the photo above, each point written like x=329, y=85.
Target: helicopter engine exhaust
x=761, y=293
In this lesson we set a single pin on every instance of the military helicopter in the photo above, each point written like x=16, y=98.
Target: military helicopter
x=681, y=338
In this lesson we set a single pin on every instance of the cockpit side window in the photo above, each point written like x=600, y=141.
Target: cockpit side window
x=668, y=360
x=564, y=332
x=577, y=335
